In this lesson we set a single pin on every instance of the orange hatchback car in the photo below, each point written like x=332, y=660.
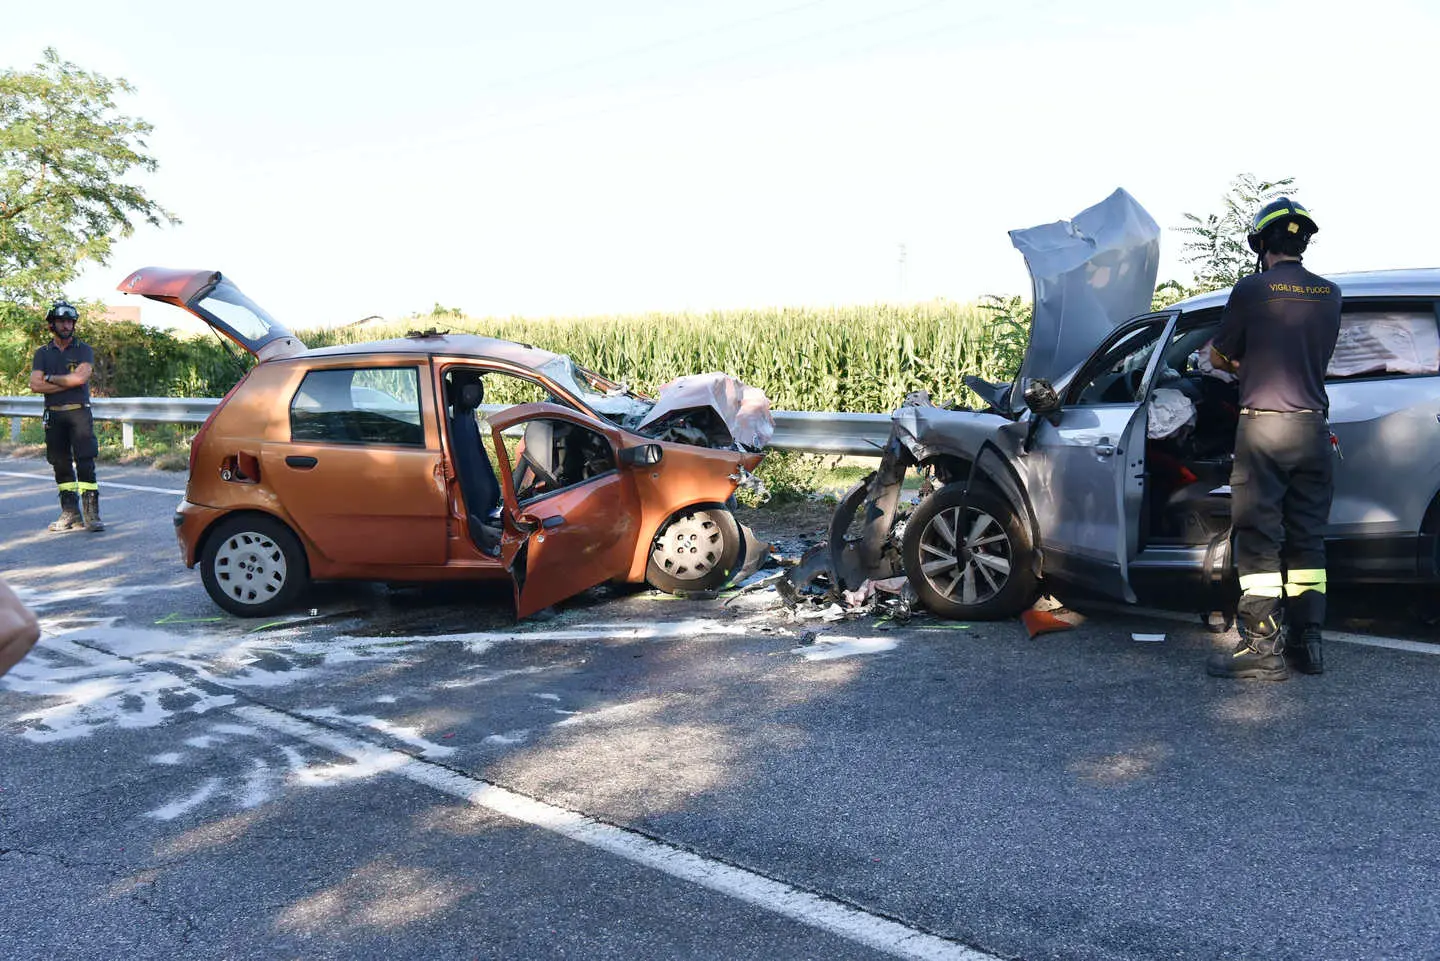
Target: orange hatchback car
x=372, y=462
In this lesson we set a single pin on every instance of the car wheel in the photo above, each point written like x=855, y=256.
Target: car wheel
x=694, y=551
x=969, y=556
x=253, y=566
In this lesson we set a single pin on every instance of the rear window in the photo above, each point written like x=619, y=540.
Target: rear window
x=1401, y=341
x=359, y=406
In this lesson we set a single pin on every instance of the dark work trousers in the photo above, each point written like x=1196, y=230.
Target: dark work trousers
x=1281, y=487
x=71, y=448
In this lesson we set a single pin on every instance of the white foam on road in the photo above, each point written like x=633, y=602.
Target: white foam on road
x=829, y=647
x=174, y=809
x=852, y=923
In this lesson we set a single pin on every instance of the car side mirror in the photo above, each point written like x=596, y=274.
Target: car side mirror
x=1042, y=400
x=642, y=455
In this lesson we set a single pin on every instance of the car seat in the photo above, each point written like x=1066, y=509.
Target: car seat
x=478, y=484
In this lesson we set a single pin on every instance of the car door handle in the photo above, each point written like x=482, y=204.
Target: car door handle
x=1105, y=450
x=300, y=461
x=552, y=522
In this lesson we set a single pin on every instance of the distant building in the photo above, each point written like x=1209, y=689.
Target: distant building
x=114, y=315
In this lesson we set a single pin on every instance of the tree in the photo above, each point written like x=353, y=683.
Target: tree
x=65, y=154
x=1217, y=241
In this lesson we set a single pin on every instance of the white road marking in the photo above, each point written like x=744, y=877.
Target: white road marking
x=103, y=483
x=481, y=641
x=1343, y=637
x=851, y=923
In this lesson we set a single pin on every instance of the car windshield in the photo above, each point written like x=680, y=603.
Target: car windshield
x=241, y=314
x=595, y=391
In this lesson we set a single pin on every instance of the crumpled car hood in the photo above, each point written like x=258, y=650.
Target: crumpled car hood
x=1090, y=274
x=727, y=411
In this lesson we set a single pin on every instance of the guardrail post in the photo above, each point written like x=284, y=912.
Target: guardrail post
x=14, y=430
x=127, y=435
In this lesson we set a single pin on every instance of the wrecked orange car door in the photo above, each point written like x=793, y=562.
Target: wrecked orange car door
x=573, y=521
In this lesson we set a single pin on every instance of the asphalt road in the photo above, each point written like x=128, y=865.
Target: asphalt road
x=412, y=774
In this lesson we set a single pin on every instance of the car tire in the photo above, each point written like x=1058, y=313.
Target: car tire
x=991, y=581
x=695, y=550
x=253, y=566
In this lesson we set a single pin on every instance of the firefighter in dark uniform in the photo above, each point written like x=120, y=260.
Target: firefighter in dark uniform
x=61, y=372
x=1278, y=333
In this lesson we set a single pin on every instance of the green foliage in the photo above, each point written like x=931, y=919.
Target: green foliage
x=1169, y=292
x=131, y=360
x=788, y=476
x=843, y=358
x=64, y=155
x=1217, y=241
x=1010, y=319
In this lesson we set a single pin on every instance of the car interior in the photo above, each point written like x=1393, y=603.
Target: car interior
x=1187, y=498
x=1190, y=443
x=464, y=392
x=552, y=455
x=556, y=454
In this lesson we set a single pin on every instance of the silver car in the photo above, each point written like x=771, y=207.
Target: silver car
x=1109, y=476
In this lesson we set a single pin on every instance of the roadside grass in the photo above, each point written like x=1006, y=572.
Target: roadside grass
x=161, y=446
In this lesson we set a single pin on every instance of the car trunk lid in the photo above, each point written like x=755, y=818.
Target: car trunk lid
x=216, y=300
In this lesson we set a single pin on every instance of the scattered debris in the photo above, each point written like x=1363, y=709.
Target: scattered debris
x=1039, y=622
x=1148, y=638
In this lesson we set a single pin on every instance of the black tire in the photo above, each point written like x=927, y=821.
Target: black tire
x=696, y=550
x=253, y=566
x=993, y=580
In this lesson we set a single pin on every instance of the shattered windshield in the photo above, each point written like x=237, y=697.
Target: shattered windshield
x=595, y=391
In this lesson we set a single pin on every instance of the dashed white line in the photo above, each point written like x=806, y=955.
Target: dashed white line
x=853, y=924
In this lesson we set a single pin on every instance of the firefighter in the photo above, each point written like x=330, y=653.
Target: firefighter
x=61, y=371
x=1278, y=333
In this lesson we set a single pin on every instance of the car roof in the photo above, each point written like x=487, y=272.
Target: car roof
x=466, y=345
x=1410, y=282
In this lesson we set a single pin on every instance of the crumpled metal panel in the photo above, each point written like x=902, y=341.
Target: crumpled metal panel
x=745, y=410
x=960, y=432
x=1090, y=274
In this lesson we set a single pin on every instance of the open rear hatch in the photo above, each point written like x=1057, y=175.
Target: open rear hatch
x=214, y=299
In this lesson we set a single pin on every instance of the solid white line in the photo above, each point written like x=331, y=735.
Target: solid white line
x=1343, y=637
x=103, y=484
x=853, y=924
x=1393, y=643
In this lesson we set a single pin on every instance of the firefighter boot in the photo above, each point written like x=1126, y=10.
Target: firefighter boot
x=69, y=519
x=90, y=501
x=1304, y=652
x=1258, y=654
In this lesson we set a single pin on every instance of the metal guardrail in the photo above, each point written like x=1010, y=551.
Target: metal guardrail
x=816, y=432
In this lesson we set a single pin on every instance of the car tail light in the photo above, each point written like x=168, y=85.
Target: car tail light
x=200, y=434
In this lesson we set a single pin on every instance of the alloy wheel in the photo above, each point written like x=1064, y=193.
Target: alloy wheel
x=965, y=557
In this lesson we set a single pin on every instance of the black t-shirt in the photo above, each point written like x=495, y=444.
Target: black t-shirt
x=50, y=359
x=1282, y=326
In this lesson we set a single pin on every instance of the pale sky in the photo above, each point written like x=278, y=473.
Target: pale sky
x=566, y=157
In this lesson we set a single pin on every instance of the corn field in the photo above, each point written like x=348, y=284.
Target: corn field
x=846, y=358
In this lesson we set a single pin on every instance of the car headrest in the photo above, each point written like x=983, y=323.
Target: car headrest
x=470, y=395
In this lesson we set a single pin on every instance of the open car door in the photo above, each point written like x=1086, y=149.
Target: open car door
x=572, y=512
x=1087, y=466
x=218, y=302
